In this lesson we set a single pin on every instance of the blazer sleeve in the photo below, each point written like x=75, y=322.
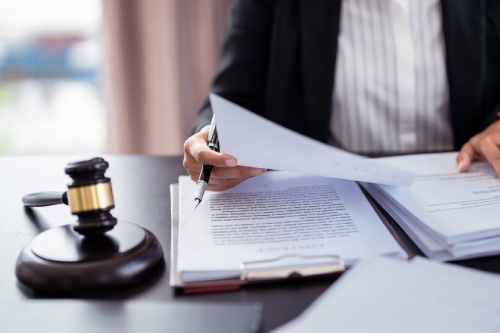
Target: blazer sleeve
x=493, y=41
x=241, y=77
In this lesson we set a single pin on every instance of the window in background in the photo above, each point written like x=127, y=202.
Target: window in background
x=50, y=82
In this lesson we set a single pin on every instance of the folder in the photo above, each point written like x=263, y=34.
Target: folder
x=260, y=271
x=450, y=215
x=274, y=269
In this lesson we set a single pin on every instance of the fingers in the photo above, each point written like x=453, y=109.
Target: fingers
x=236, y=172
x=465, y=157
x=484, y=146
x=489, y=149
x=224, y=184
x=225, y=173
x=196, y=151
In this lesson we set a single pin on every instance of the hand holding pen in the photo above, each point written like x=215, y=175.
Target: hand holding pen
x=206, y=169
x=224, y=174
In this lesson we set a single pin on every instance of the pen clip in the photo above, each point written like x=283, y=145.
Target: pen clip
x=213, y=138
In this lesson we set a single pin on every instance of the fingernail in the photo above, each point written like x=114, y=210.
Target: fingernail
x=257, y=172
x=460, y=165
x=230, y=163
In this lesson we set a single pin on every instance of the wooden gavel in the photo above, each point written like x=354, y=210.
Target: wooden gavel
x=96, y=252
x=90, y=197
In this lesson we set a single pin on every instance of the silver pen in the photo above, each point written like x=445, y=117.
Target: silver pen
x=213, y=144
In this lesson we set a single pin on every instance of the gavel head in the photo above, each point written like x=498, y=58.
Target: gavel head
x=90, y=196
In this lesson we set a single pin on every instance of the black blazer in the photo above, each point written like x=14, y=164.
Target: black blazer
x=279, y=57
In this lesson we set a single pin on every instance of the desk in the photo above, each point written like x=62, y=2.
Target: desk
x=141, y=192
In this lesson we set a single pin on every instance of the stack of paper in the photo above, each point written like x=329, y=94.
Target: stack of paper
x=267, y=217
x=280, y=213
x=448, y=214
x=390, y=296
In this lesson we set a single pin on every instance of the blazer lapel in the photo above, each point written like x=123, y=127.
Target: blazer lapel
x=464, y=28
x=318, y=35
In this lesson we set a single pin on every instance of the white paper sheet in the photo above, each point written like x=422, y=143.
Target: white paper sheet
x=258, y=142
x=390, y=296
x=427, y=242
x=276, y=214
x=457, y=207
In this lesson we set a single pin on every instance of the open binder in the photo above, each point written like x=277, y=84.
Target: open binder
x=259, y=271
x=450, y=215
x=276, y=268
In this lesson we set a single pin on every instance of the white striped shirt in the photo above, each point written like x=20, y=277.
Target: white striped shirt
x=391, y=90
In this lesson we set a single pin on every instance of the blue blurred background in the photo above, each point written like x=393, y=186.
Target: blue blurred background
x=50, y=77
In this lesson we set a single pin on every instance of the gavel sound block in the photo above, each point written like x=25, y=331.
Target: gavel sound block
x=97, y=252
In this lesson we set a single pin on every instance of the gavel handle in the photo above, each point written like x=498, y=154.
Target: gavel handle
x=40, y=199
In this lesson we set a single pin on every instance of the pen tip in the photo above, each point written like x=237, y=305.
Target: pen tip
x=196, y=203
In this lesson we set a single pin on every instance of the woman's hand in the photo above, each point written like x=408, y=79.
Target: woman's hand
x=482, y=146
x=225, y=173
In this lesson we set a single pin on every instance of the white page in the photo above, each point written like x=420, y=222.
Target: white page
x=276, y=214
x=458, y=207
x=425, y=240
x=258, y=142
x=390, y=296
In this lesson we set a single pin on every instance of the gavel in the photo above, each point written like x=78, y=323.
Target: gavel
x=90, y=197
x=97, y=251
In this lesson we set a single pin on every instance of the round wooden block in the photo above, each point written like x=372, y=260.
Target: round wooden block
x=61, y=260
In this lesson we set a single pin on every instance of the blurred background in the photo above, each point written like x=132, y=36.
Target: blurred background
x=105, y=76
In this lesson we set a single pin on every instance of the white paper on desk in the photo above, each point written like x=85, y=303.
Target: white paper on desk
x=278, y=213
x=431, y=245
x=457, y=207
x=390, y=296
x=258, y=142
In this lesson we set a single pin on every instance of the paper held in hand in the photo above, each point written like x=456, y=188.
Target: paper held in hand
x=258, y=142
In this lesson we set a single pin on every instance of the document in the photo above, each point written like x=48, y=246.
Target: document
x=279, y=213
x=258, y=142
x=449, y=215
x=393, y=296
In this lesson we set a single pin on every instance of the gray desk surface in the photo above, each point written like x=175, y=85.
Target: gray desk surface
x=141, y=191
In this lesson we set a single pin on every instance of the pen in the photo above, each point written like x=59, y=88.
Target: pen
x=213, y=144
